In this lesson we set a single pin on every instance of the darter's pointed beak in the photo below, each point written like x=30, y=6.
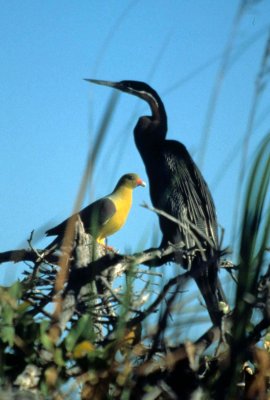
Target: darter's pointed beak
x=116, y=85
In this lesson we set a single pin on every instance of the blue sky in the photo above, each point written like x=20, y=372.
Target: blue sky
x=49, y=115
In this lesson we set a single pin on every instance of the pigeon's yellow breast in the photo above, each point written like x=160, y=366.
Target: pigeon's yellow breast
x=122, y=200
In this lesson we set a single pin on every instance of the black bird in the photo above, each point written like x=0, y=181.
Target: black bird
x=178, y=188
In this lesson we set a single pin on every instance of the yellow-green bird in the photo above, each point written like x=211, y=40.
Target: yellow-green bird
x=106, y=215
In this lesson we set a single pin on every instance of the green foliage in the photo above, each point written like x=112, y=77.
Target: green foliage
x=254, y=238
x=9, y=299
x=82, y=330
x=255, y=230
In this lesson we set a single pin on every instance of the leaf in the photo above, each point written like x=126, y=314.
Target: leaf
x=84, y=328
x=83, y=348
x=58, y=357
x=23, y=307
x=45, y=339
x=7, y=334
x=15, y=290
